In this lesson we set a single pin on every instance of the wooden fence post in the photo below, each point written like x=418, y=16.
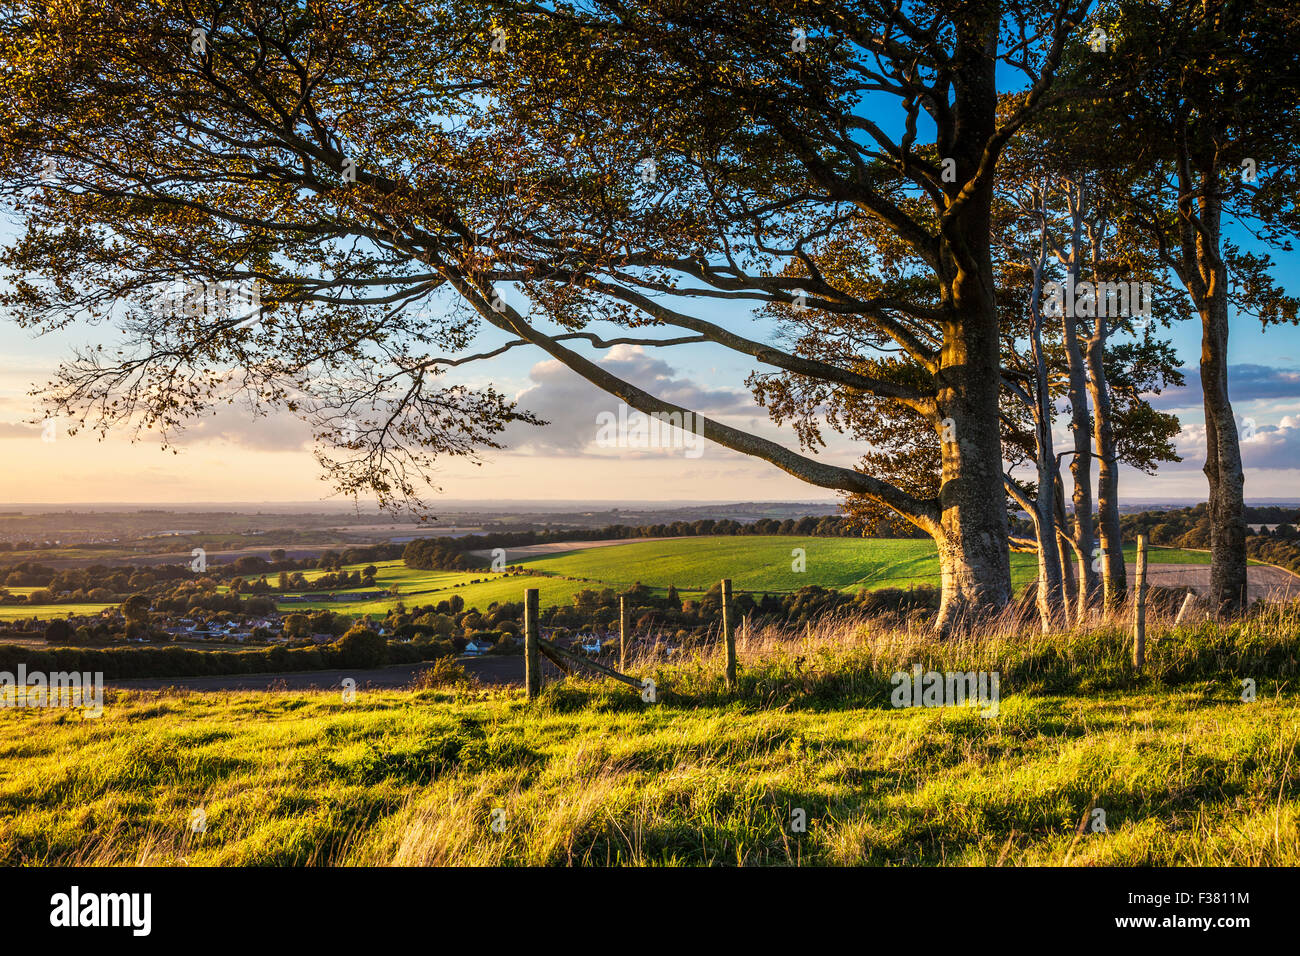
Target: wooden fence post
x=532, y=663
x=1140, y=607
x=728, y=634
x=622, y=632
x=1187, y=602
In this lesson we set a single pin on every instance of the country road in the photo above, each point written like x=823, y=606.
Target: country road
x=1262, y=580
x=488, y=670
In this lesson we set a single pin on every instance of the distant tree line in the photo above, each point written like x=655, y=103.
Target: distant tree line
x=105, y=584
x=1191, y=528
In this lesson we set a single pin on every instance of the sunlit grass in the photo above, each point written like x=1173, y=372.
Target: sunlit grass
x=1185, y=770
x=44, y=612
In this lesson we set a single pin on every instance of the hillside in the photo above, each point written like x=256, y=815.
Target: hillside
x=1183, y=769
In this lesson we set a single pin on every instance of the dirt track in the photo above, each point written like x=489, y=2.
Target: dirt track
x=1262, y=581
x=489, y=670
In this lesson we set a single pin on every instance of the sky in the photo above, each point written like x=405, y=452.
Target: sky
x=237, y=456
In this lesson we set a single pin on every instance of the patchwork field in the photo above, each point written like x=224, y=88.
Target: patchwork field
x=692, y=565
x=43, y=612
x=754, y=563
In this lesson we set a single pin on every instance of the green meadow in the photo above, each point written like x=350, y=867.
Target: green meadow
x=756, y=563
x=44, y=612
x=1182, y=768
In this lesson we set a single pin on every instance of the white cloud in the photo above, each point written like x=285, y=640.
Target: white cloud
x=571, y=404
x=236, y=425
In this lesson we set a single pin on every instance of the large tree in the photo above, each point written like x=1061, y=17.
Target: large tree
x=362, y=162
x=781, y=181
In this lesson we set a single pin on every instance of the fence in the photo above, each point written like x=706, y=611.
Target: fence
x=536, y=647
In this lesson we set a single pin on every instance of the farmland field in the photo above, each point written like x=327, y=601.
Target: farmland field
x=755, y=563
x=44, y=612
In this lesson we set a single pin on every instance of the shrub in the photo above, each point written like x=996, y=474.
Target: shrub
x=444, y=672
x=362, y=647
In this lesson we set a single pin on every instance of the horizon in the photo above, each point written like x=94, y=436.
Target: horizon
x=588, y=504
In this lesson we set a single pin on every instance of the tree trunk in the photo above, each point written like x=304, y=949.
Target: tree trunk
x=1067, y=550
x=974, y=551
x=1223, y=470
x=974, y=554
x=1050, y=594
x=1080, y=433
x=1114, y=574
x=1222, y=462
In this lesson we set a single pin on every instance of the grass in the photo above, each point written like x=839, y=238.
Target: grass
x=759, y=563
x=766, y=563
x=44, y=612
x=1185, y=771
x=754, y=563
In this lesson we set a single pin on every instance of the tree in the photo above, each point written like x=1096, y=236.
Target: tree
x=1064, y=196
x=307, y=149
x=295, y=626
x=58, y=631
x=1221, y=77
x=362, y=647
x=136, y=611
x=771, y=170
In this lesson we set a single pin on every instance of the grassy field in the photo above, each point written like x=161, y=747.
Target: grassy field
x=1184, y=770
x=693, y=565
x=44, y=612
x=754, y=563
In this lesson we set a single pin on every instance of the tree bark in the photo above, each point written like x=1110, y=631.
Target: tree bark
x=1050, y=577
x=1208, y=272
x=1051, y=596
x=1068, y=549
x=1080, y=463
x=1223, y=467
x=974, y=553
x=1113, y=572
x=972, y=539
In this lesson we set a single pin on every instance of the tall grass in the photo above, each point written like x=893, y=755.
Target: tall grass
x=1185, y=771
x=848, y=660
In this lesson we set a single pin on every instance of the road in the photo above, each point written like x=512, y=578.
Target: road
x=1263, y=581
x=495, y=671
